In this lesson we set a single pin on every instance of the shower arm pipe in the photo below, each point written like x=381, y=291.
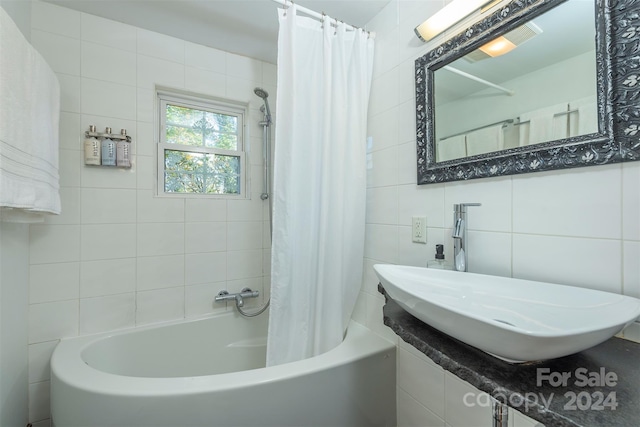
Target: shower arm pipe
x=479, y=80
x=320, y=16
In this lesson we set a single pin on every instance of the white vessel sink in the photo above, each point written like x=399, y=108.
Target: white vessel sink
x=514, y=320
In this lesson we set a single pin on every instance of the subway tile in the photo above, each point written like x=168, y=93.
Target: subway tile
x=584, y=202
x=145, y=105
x=464, y=404
x=39, y=361
x=69, y=168
x=384, y=92
x=154, y=71
x=269, y=74
x=488, y=253
x=631, y=268
x=160, y=272
x=206, y=58
x=360, y=309
x=418, y=254
x=55, y=19
x=588, y=263
x=108, y=241
x=160, y=305
x=427, y=387
x=369, y=278
x=70, y=93
x=161, y=46
x=54, y=243
x=54, y=282
x=108, y=177
x=424, y=200
x=205, y=268
x=244, y=235
x=406, y=164
x=70, y=202
x=381, y=243
x=61, y=53
x=382, y=205
x=406, y=76
x=107, y=99
x=108, y=64
x=413, y=414
x=374, y=318
x=493, y=193
x=160, y=239
x=108, y=33
x=53, y=320
x=70, y=133
x=159, y=209
x=145, y=139
x=200, y=299
x=205, y=82
x=245, y=210
x=241, y=90
x=205, y=237
x=108, y=206
x=107, y=277
x=630, y=201
x=244, y=264
x=145, y=173
x=107, y=313
x=407, y=126
x=39, y=401
x=382, y=168
x=244, y=67
x=383, y=129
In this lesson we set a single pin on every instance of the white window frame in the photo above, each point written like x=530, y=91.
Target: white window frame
x=214, y=105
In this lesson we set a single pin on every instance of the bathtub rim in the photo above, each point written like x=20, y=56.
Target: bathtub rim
x=68, y=367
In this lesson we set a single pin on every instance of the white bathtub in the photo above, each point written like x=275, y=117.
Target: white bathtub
x=210, y=372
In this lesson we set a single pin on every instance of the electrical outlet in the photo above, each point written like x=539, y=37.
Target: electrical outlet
x=419, y=229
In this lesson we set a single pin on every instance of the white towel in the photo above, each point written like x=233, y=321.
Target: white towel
x=29, y=115
x=451, y=148
x=485, y=140
x=544, y=124
x=585, y=120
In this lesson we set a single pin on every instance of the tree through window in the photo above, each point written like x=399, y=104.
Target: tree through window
x=200, y=148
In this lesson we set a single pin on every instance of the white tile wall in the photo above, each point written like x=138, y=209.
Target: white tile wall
x=118, y=256
x=579, y=226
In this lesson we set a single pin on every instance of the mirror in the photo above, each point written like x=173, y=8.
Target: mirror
x=545, y=104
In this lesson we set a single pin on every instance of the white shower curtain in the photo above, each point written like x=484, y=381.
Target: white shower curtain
x=324, y=80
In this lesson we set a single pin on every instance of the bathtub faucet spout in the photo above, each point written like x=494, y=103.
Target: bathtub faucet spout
x=224, y=296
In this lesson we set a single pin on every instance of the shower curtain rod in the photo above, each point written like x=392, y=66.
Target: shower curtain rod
x=320, y=16
x=479, y=80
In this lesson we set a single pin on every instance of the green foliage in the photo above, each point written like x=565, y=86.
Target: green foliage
x=207, y=173
x=187, y=172
x=200, y=128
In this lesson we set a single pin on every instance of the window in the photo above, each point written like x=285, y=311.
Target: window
x=201, y=147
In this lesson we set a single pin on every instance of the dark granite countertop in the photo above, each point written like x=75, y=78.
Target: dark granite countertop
x=516, y=385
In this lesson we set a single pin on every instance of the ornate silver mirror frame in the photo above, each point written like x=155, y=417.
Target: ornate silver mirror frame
x=618, y=93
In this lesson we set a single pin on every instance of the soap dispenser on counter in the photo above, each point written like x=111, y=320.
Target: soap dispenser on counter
x=439, y=261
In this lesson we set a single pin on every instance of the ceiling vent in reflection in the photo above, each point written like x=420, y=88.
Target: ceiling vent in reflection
x=503, y=44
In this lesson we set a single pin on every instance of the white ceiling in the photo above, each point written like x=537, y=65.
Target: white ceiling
x=246, y=27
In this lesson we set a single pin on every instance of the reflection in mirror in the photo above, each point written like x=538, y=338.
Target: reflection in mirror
x=534, y=84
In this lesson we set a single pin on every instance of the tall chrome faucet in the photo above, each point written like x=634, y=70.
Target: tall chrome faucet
x=460, y=235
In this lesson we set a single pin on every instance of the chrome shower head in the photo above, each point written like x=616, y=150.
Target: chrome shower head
x=264, y=95
x=261, y=93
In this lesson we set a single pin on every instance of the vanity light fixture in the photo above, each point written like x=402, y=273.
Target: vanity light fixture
x=446, y=17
